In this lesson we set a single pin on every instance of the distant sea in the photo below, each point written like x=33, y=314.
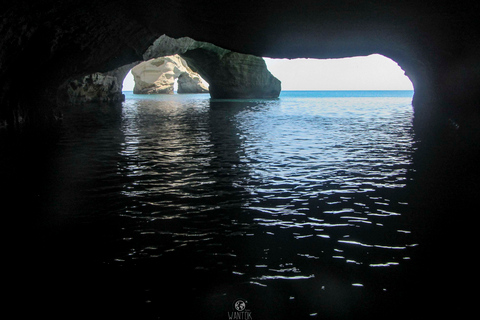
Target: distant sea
x=317, y=93
x=347, y=93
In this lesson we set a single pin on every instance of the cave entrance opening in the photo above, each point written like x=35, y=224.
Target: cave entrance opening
x=373, y=72
x=128, y=82
x=175, y=85
x=360, y=73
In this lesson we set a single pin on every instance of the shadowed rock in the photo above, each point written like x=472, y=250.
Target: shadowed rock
x=97, y=87
x=190, y=83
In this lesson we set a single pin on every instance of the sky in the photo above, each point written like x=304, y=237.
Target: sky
x=373, y=72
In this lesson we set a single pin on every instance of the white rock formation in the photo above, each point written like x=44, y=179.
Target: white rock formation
x=158, y=75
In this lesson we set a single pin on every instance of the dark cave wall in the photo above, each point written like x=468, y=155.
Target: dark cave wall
x=436, y=43
x=57, y=41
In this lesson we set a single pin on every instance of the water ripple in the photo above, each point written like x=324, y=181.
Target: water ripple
x=263, y=191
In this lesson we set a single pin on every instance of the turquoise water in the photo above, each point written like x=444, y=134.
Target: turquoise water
x=303, y=94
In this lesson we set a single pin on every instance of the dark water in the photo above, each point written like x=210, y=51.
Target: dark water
x=315, y=205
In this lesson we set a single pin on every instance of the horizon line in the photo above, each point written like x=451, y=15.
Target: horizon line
x=326, y=90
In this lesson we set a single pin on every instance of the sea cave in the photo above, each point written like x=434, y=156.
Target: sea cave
x=83, y=171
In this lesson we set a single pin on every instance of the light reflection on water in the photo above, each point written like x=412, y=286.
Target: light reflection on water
x=298, y=199
x=302, y=179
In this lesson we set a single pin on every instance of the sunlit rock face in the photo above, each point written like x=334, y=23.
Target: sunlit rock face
x=157, y=76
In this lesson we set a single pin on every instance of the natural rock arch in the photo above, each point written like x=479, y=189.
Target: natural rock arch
x=229, y=74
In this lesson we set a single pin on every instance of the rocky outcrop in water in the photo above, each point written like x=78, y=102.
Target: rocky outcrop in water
x=157, y=76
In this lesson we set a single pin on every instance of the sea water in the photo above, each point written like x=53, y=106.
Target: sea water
x=181, y=205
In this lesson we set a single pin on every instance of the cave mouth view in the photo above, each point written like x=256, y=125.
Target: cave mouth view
x=239, y=160
x=373, y=72
x=307, y=205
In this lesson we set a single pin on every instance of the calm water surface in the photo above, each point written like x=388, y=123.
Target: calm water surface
x=262, y=190
x=299, y=206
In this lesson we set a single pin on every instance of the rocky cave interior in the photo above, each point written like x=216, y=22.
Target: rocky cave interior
x=436, y=43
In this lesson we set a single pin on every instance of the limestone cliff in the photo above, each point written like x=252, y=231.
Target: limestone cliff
x=157, y=76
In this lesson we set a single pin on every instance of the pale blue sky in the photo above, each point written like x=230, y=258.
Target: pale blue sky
x=374, y=72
